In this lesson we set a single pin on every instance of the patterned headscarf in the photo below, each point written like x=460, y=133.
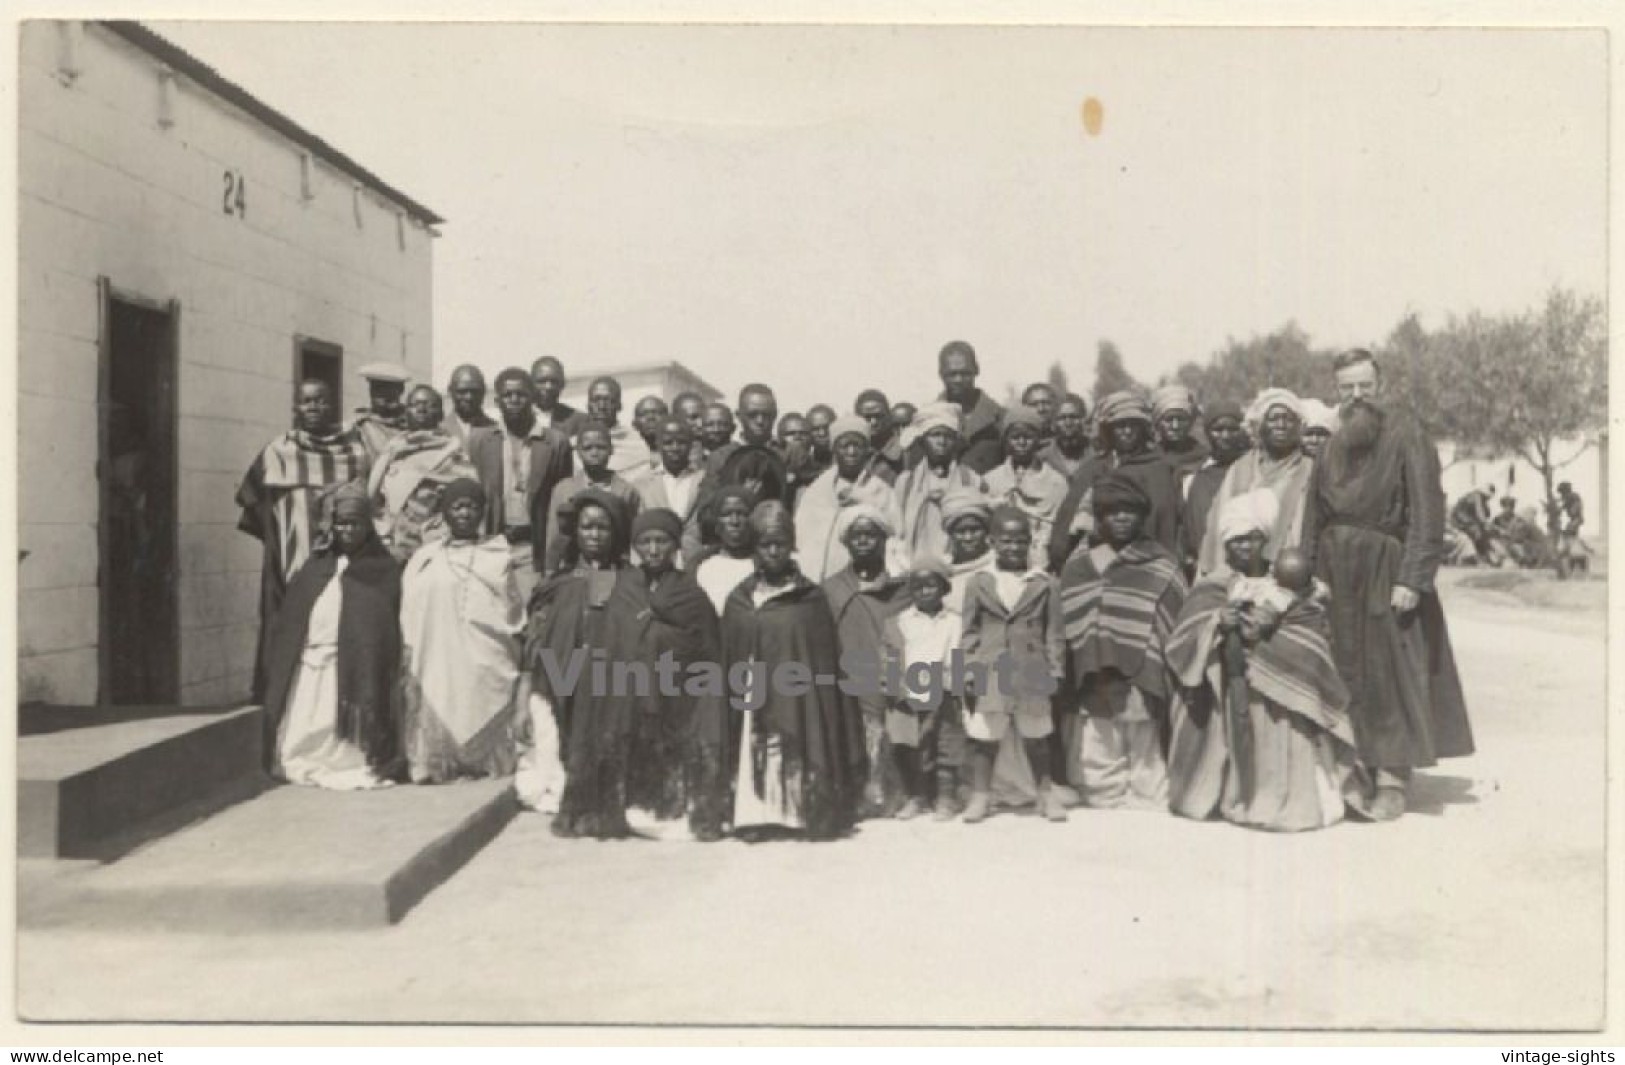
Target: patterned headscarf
x=1122, y=406
x=1172, y=397
x=940, y=414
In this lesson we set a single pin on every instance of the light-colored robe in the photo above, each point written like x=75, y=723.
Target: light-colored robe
x=819, y=552
x=1288, y=478
x=1037, y=492
x=461, y=616
x=405, y=488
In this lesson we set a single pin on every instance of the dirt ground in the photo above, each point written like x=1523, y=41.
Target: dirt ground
x=1483, y=909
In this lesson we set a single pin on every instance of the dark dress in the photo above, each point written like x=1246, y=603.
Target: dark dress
x=568, y=613
x=635, y=746
x=369, y=652
x=808, y=746
x=860, y=621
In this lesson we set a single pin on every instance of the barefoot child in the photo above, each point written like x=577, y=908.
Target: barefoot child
x=1012, y=614
x=923, y=720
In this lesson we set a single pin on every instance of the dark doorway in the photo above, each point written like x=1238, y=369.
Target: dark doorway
x=140, y=633
x=318, y=360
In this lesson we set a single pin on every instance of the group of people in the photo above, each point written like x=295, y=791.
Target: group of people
x=943, y=609
x=1508, y=535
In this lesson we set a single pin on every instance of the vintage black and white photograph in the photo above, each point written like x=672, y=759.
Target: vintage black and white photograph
x=1050, y=526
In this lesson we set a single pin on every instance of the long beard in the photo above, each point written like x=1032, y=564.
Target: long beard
x=1361, y=426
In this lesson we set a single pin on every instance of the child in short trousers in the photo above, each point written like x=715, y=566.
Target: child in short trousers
x=1013, y=613
x=923, y=719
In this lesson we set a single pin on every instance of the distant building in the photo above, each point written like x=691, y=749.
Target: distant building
x=186, y=254
x=667, y=380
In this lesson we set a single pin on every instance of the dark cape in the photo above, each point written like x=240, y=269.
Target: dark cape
x=629, y=748
x=1373, y=521
x=567, y=612
x=860, y=623
x=820, y=732
x=1153, y=474
x=369, y=655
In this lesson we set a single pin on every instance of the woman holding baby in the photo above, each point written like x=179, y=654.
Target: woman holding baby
x=1261, y=735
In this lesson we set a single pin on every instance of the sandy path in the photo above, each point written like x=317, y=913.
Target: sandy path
x=1484, y=909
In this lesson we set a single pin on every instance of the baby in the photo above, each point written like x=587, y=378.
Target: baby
x=1262, y=601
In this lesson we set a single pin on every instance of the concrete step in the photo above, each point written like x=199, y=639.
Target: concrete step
x=293, y=859
x=102, y=785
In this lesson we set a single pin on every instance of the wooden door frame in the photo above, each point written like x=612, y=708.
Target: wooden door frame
x=302, y=343
x=107, y=293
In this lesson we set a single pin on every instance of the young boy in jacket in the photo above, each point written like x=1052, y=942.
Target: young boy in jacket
x=1014, y=657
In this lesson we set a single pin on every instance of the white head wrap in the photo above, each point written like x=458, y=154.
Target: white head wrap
x=861, y=512
x=1253, y=511
x=1318, y=415
x=1273, y=397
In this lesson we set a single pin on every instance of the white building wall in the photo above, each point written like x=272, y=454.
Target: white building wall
x=1527, y=487
x=665, y=381
x=107, y=191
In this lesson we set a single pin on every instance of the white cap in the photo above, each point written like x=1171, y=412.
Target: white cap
x=386, y=372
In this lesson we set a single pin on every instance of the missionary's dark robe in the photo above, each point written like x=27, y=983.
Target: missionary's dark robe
x=369, y=655
x=819, y=734
x=1372, y=522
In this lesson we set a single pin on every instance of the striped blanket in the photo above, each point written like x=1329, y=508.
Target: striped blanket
x=1293, y=668
x=284, y=491
x=1118, y=611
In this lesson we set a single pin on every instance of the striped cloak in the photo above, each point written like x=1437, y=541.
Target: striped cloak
x=281, y=497
x=1118, y=617
x=1271, y=747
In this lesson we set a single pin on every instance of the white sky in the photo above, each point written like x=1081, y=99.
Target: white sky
x=823, y=207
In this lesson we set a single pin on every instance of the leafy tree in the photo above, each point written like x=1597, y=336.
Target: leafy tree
x=1110, y=373
x=1055, y=377
x=1058, y=379
x=1242, y=369
x=1523, y=385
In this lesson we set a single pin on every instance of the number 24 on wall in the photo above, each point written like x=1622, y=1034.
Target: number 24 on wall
x=233, y=202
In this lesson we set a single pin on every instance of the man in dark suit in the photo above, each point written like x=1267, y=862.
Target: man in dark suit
x=547, y=378
x=519, y=462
